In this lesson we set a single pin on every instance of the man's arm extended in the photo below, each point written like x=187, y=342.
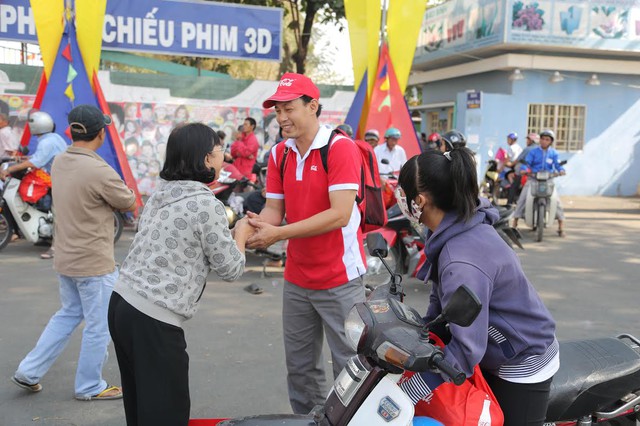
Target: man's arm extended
x=267, y=231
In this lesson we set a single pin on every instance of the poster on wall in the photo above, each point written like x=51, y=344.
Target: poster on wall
x=593, y=24
x=460, y=25
x=144, y=129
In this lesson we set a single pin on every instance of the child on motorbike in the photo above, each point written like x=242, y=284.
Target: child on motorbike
x=513, y=339
x=183, y=235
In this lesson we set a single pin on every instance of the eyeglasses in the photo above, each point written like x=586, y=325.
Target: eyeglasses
x=217, y=150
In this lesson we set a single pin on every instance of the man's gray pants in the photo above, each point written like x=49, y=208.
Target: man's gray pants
x=306, y=316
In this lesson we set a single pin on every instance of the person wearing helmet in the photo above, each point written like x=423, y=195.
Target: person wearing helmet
x=49, y=145
x=451, y=140
x=532, y=140
x=433, y=141
x=542, y=157
x=346, y=129
x=390, y=151
x=372, y=137
x=513, y=150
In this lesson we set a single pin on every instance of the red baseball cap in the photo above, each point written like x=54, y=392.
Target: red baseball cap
x=292, y=86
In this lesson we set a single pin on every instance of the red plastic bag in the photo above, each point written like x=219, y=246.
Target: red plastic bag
x=470, y=404
x=34, y=185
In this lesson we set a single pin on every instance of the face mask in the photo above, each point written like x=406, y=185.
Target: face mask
x=412, y=213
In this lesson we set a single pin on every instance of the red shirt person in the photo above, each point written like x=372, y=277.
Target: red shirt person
x=325, y=257
x=245, y=149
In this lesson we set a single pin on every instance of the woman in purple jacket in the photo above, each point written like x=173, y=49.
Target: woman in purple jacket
x=513, y=338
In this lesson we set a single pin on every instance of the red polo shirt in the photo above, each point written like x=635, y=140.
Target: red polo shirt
x=331, y=259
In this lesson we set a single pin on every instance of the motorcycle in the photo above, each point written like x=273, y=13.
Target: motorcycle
x=541, y=204
x=406, y=242
x=32, y=223
x=598, y=381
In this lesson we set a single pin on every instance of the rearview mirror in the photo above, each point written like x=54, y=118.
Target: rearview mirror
x=463, y=307
x=377, y=245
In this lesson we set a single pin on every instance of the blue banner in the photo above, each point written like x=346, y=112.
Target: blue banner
x=189, y=28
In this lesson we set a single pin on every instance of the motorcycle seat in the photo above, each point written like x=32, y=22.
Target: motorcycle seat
x=593, y=374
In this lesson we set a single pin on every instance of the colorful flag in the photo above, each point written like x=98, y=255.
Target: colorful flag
x=68, y=84
x=404, y=20
x=388, y=107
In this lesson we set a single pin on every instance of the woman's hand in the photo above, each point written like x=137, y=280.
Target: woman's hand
x=265, y=234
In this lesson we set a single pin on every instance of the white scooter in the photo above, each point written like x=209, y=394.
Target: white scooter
x=598, y=380
x=541, y=204
x=33, y=224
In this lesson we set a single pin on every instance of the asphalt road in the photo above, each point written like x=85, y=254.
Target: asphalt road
x=589, y=280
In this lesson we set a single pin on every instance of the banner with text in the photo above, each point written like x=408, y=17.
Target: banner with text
x=189, y=28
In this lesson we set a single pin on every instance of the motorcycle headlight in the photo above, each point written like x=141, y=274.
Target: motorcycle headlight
x=354, y=328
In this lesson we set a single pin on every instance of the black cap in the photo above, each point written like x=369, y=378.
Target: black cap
x=87, y=120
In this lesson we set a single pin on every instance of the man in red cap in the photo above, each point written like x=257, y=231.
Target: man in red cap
x=325, y=257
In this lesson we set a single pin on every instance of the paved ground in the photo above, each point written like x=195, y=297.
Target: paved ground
x=589, y=280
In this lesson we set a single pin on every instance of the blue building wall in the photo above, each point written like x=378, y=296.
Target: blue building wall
x=504, y=109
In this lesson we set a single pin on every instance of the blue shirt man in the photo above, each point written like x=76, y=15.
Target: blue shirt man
x=49, y=145
x=543, y=159
x=540, y=158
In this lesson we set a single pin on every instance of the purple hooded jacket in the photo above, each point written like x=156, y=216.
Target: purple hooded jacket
x=514, y=335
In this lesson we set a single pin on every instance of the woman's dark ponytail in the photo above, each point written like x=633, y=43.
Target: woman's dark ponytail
x=464, y=182
x=450, y=180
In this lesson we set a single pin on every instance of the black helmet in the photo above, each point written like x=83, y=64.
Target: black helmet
x=346, y=128
x=454, y=139
x=548, y=133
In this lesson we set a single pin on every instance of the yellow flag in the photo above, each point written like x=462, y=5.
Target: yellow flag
x=69, y=93
x=48, y=16
x=404, y=20
x=357, y=24
x=374, y=15
x=89, y=19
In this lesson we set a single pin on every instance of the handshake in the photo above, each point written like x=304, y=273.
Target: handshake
x=255, y=233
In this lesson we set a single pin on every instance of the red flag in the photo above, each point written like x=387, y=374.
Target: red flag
x=388, y=108
x=66, y=53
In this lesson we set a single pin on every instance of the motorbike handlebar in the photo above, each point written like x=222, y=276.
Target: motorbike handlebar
x=438, y=361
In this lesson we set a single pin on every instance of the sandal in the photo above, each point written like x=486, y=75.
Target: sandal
x=561, y=233
x=254, y=289
x=47, y=255
x=37, y=387
x=111, y=392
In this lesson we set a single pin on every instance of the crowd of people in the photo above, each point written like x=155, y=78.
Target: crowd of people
x=183, y=235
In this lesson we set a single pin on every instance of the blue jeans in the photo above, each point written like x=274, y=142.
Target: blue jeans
x=82, y=298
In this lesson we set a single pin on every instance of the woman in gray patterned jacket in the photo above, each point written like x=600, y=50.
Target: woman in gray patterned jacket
x=183, y=235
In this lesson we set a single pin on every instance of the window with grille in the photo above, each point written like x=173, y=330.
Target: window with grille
x=567, y=121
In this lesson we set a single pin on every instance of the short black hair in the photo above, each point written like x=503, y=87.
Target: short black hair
x=84, y=137
x=187, y=148
x=306, y=99
x=222, y=135
x=251, y=121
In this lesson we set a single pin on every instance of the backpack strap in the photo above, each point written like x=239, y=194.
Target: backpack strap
x=324, y=151
x=324, y=156
x=283, y=161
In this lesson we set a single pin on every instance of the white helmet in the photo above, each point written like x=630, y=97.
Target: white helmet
x=40, y=123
